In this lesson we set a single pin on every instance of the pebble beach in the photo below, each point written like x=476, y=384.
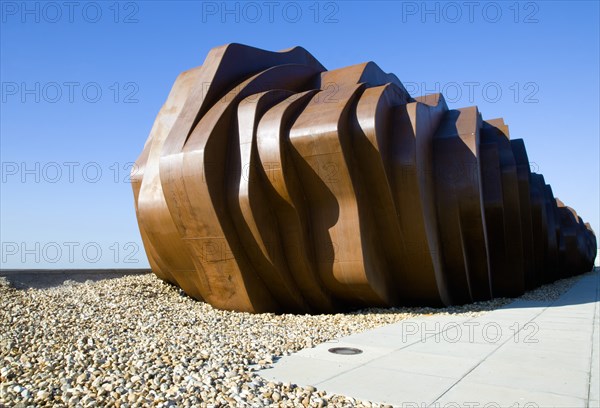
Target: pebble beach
x=136, y=341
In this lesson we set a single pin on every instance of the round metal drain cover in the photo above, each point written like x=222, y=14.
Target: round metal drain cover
x=347, y=351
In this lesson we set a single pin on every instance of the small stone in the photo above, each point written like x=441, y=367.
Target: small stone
x=42, y=394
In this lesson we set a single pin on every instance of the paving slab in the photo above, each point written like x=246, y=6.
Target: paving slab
x=301, y=370
x=542, y=377
x=419, y=363
x=472, y=394
x=525, y=354
x=384, y=385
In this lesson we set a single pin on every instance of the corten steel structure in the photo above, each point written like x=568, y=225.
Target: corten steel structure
x=271, y=184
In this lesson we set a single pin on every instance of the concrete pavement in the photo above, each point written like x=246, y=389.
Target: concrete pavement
x=525, y=354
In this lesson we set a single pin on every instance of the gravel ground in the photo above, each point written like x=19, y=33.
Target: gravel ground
x=136, y=341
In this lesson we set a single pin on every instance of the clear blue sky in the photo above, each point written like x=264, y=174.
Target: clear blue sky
x=82, y=84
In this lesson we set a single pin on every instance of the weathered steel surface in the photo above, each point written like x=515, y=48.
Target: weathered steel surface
x=269, y=184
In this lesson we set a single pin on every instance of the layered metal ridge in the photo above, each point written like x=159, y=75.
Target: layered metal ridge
x=270, y=184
